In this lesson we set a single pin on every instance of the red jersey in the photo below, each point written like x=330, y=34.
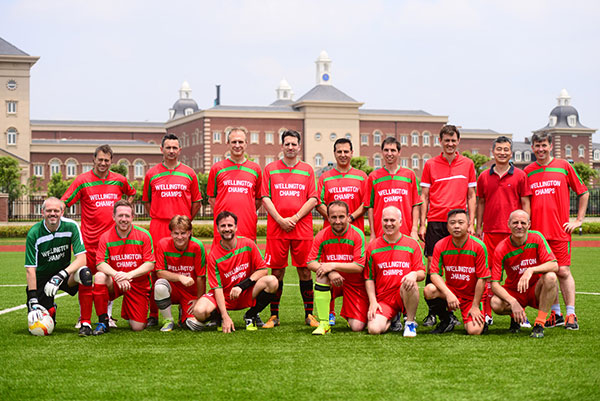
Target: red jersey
x=126, y=254
x=388, y=263
x=550, y=196
x=349, y=247
x=289, y=188
x=226, y=268
x=513, y=260
x=97, y=197
x=348, y=187
x=171, y=192
x=502, y=195
x=463, y=265
x=448, y=184
x=190, y=263
x=398, y=189
x=236, y=187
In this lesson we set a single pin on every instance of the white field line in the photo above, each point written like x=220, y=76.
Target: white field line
x=14, y=308
x=13, y=285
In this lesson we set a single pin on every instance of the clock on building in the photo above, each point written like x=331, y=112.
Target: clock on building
x=11, y=84
x=325, y=77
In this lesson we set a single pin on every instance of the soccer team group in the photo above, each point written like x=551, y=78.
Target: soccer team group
x=517, y=255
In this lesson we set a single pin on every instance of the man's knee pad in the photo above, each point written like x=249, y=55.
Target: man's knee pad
x=162, y=293
x=83, y=276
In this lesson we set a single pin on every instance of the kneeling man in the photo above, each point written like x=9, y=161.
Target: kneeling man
x=337, y=257
x=530, y=268
x=237, y=275
x=394, y=265
x=464, y=259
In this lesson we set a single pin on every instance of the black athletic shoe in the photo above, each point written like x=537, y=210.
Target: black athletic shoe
x=100, y=329
x=537, y=331
x=454, y=319
x=85, y=330
x=152, y=321
x=445, y=326
x=258, y=321
x=396, y=325
x=514, y=326
x=429, y=321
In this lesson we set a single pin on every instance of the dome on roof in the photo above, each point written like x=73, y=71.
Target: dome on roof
x=185, y=86
x=323, y=55
x=185, y=105
x=283, y=84
x=563, y=93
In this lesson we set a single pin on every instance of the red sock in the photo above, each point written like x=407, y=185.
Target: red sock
x=86, y=301
x=332, y=306
x=153, y=307
x=100, y=294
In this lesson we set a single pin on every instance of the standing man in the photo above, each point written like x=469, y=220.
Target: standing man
x=338, y=257
x=448, y=182
x=97, y=191
x=342, y=183
x=464, y=259
x=393, y=185
x=530, y=268
x=237, y=276
x=500, y=190
x=234, y=184
x=48, y=259
x=170, y=188
x=125, y=258
x=181, y=271
x=550, y=180
x=394, y=266
x=289, y=195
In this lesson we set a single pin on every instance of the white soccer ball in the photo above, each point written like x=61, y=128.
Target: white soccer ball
x=40, y=323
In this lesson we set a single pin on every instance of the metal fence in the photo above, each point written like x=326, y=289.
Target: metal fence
x=593, y=209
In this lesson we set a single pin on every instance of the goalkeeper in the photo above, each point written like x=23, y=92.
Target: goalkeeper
x=48, y=260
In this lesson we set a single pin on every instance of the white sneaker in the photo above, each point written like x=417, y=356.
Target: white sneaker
x=489, y=320
x=193, y=324
x=410, y=329
x=78, y=324
x=112, y=323
x=526, y=324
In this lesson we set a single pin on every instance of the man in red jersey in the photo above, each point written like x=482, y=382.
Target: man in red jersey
x=550, y=180
x=97, y=190
x=394, y=266
x=338, y=257
x=347, y=184
x=464, y=259
x=530, y=268
x=448, y=182
x=237, y=276
x=181, y=271
x=125, y=257
x=289, y=195
x=500, y=190
x=234, y=184
x=170, y=188
x=393, y=185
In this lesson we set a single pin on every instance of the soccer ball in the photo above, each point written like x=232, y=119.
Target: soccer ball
x=40, y=323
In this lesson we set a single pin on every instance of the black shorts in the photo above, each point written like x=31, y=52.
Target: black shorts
x=436, y=230
x=48, y=302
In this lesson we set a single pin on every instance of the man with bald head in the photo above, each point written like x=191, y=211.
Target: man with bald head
x=394, y=266
x=530, y=268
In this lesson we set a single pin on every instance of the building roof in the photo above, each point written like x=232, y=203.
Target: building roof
x=397, y=112
x=561, y=113
x=96, y=142
x=282, y=102
x=478, y=131
x=253, y=108
x=521, y=146
x=10, y=49
x=181, y=105
x=10, y=154
x=145, y=124
x=325, y=93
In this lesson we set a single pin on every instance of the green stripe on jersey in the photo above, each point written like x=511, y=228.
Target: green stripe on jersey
x=234, y=253
x=392, y=178
x=177, y=173
x=202, y=250
x=549, y=170
x=292, y=171
x=92, y=184
x=242, y=168
x=393, y=248
x=351, y=176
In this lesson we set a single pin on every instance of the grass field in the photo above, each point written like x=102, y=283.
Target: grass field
x=288, y=363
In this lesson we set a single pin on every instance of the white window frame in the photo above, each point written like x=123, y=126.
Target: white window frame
x=572, y=120
x=436, y=141
x=318, y=136
x=11, y=107
x=414, y=138
x=404, y=140
x=426, y=136
x=254, y=137
x=581, y=151
x=217, y=137
x=568, y=151
x=269, y=137
x=54, y=167
x=527, y=156
x=11, y=136
x=518, y=155
x=269, y=159
x=414, y=162
x=217, y=159
x=364, y=139
x=332, y=136
x=474, y=151
x=377, y=160
x=38, y=170
x=377, y=137
x=139, y=209
x=426, y=157
x=86, y=167
x=404, y=162
x=596, y=154
x=71, y=168
x=318, y=160
x=552, y=121
x=138, y=169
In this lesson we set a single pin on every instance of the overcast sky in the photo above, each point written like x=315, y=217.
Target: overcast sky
x=485, y=64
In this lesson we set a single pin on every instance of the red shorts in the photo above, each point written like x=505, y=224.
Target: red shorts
x=391, y=305
x=90, y=259
x=491, y=241
x=465, y=306
x=182, y=297
x=356, y=302
x=526, y=298
x=135, y=301
x=159, y=229
x=562, y=251
x=244, y=301
x=276, y=255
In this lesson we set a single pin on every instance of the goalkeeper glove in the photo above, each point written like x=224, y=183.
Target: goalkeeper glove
x=51, y=287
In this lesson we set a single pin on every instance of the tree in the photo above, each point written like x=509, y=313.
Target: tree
x=585, y=172
x=10, y=178
x=203, y=181
x=34, y=186
x=478, y=159
x=120, y=169
x=139, y=190
x=57, y=187
x=361, y=164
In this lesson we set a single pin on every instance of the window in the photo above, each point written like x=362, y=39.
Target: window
x=318, y=160
x=348, y=136
x=269, y=137
x=72, y=210
x=527, y=156
x=54, y=167
x=474, y=151
x=184, y=140
x=139, y=209
x=426, y=136
x=572, y=120
x=404, y=162
x=11, y=136
x=597, y=154
x=217, y=159
x=377, y=138
x=138, y=169
x=86, y=167
x=552, y=121
x=188, y=111
x=38, y=170
x=11, y=107
x=37, y=209
x=269, y=159
x=196, y=162
x=581, y=151
x=317, y=136
x=518, y=156
x=425, y=158
x=404, y=140
x=332, y=136
x=415, y=138
x=568, y=151
x=436, y=141
x=377, y=161
x=216, y=136
x=71, y=168
x=254, y=137
x=364, y=139
x=415, y=162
